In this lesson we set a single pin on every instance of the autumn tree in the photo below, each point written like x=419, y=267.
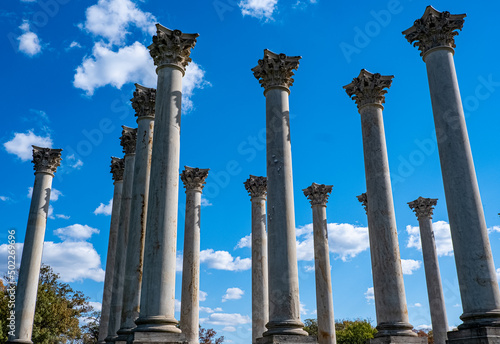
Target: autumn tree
x=207, y=336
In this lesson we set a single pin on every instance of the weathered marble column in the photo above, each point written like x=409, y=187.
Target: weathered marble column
x=117, y=169
x=170, y=51
x=194, y=181
x=368, y=91
x=257, y=188
x=423, y=208
x=46, y=161
x=274, y=73
x=318, y=197
x=433, y=34
x=143, y=103
x=128, y=142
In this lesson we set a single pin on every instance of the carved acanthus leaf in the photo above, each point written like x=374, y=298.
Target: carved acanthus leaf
x=363, y=199
x=423, y=207
x=369, y=88
x=128, y=139
x=276, y=70
x=194, y=178
x=46, y=159
x=143, y=101
x=256, y=186
x=117, y=168
x=318, y=193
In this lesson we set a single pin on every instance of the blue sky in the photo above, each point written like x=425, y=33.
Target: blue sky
x=69, y=70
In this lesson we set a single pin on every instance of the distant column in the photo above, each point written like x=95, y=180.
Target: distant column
x=318, y=197
x=194, y=181
x=368, y=91
x=423, y=208
x=170, y=51
x=274, y=73
x=117, y=168
x=46, y=161
x=434, y=34
x=128, y=142
x=144, y=104
x=257, y=188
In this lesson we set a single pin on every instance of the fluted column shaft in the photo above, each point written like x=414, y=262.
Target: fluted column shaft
x=46, y=162
x=118, y=166
x=138, y=212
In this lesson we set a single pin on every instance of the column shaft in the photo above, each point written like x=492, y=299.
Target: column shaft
x=158, y=283
x=27, y=285
x=475, y=267
x=191, y=268
x=110, y=262
x=260, y=293
x=433, y=279
x=121, y=249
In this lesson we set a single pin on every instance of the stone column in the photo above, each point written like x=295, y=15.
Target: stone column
x=143, y=103
x=423, y=208
x=433, y=34
x=393, y=326
x=194, y=181
x=128, y=142
x=46, y=161
x=257, y=188
x=318, y=197
x=117, y=168
x=170, y=51
x=274, y=73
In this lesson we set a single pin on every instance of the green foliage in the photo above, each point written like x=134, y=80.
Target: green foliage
x=347, y=331
x=207, y=336
x=58, y=311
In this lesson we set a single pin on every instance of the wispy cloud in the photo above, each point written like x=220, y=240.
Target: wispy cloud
x=21, y=144
x=260, y=9
x=29, y=43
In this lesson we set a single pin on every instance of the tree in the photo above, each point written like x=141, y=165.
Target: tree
x=347, y=331
x=207, y=336
x=90, y=329
x=58, y=310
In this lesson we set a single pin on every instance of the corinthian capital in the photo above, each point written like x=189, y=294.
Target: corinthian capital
x=256, y=186
x=423, y=207
x=363, y=200
x=434, y=29
x=46, y=160
x=318, y=193
x=368, y=88
x=128, y=139
x=117, y=167
x=276, y=70
x=143, y=101
x=194, y=178
x=172, y=47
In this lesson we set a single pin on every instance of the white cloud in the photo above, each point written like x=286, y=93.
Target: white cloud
x=29, y=43
x=424, y=327
x=205, y=202
x=417, y=305
x=210, y=310
x=410, y=265
x=76, y=232
x=370, y=294
x=111, y=20
x=229, y=329
x=260, y=9
x=246, y=241
x=50, y=214
x=309, y=268
x=202, y=295
x=223, y=260
x=96, y=305
x=303, y=309
x=226, y=319
x=104, y=209
x=77, y=162
x=4, y=198
x=177, y=305
x=20, y=145
x=442, y=236
x=233, y=294
x=178, y=262
x=74, y=44
x=494, y=229
x=344, y=240
x=62, y=216
x=194, y=78
x=54, y=194
x=498, y=275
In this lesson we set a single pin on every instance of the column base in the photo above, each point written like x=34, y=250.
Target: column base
x=287, y=338
x=19, y=341
x=285, y=327
x=397, y=340
x=479, y=335
x=157, y=338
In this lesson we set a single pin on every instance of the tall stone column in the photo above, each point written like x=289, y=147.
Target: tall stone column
x=423, y=208
x=257, y=188
x=274, y=73
x=46, y=161
x=128, y=142
x=194, y=181
x=318, y=197
x=393, y=326
x=170, y=51
x=433, y=34
x=117, y=169
x=143, y=103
